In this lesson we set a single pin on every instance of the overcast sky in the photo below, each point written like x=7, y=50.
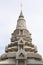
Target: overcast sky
x=33, y=13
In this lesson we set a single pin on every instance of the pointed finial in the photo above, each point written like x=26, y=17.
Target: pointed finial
x=21, y=14
x=21, y=5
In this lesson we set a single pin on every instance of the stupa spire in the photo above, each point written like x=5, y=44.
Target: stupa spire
x=21, y=14
x=21, y=23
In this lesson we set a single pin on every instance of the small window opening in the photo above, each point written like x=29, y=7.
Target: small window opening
x=21, y=32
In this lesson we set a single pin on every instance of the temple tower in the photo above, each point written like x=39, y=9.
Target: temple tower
x=21, y=51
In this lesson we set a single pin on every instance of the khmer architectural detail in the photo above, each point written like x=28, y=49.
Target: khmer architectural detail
x=21, y=51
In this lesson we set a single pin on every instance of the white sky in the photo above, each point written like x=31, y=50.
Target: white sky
x=33, y=12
